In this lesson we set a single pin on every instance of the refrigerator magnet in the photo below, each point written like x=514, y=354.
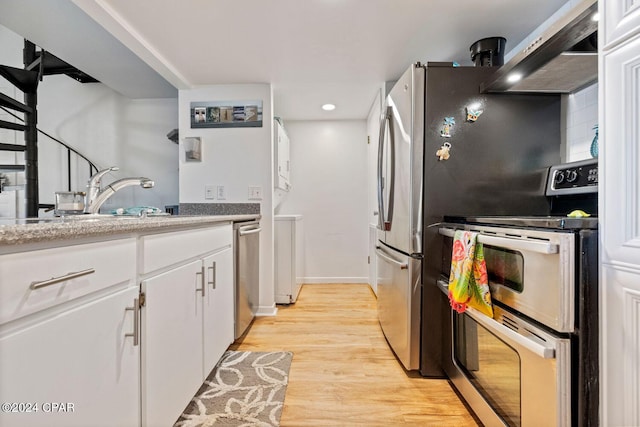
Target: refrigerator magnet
x=446, y=128
x=443, y=152
x=473, y=114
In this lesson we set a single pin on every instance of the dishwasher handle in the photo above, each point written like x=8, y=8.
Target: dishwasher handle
x=245, y=231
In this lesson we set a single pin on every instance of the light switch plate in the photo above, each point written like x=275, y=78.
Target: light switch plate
x=222, y=192
x=209, y=192
x=255, y=193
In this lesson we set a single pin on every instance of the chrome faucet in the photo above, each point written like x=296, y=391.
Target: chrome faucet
x=93, y=186
x=96, y=195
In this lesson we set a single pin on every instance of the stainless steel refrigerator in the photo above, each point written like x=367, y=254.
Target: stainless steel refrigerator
x=499, y=149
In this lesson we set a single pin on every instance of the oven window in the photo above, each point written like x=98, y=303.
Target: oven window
x=505, y=267
x=491, y=365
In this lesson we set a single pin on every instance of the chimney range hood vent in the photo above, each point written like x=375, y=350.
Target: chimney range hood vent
x=563, y=59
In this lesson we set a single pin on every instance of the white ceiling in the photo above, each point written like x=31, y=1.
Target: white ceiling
x=311, y=51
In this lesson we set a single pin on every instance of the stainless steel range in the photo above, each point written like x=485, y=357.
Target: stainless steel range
x=536, y=362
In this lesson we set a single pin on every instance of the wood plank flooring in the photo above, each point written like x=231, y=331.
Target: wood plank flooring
x=343, y=372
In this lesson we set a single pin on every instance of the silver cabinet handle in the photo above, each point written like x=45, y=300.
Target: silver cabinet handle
x=136, y=319
x=201, y=274
x=250, y=231
x=505, y=242
x=402, y=265
x=54, y=280
x=502, y=331
x=212, y=282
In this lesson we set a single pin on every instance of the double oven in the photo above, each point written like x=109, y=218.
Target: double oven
x=535, y=363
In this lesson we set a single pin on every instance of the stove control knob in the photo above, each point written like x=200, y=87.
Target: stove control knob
x=559, y=179
x=572, y=176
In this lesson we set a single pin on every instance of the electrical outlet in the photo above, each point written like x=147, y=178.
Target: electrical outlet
x=222, y=193
x=255, y=193
x=209, y=192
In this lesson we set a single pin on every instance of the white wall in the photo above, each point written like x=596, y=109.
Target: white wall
x=235, y=158
x=111, y=130
x=108, y=128
x=329, y=187
x=582, y=116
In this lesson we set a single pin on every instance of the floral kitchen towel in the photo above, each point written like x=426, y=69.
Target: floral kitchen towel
x=468, y=282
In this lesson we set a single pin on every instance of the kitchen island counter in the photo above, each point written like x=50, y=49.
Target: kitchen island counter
x=80, y=297
x=39, y=230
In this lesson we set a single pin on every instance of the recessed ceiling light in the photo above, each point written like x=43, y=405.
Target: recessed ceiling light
x=595, y=17
x=514, y=77
x=328, y=107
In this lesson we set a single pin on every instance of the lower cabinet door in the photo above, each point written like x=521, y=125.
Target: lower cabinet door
x=171, y=343
x=218, y=307
x=72, y=368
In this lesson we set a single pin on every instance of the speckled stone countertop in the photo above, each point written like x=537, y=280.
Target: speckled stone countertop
x=23, y=231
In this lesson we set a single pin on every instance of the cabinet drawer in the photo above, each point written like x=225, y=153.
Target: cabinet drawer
x=162, y=250
x=23, y=276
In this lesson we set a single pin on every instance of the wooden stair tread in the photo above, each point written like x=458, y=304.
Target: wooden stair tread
x=54, y=65
x=12, y=147
x=13, y=126
x=7, y=101
x=11, y=168
x=25, y=80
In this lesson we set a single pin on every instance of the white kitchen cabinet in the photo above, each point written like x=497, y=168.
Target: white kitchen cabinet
x=69, y=317
x=289, y=257
x=172, y=342
x=187, y=318
x=218, y=311
x=77, y=365
x=282, y=167
x=65, y=316
x=619, y=211
x=620, y=20
x=88, y=268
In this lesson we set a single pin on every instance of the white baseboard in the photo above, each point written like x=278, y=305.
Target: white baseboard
x=318, y=280
x=265, y=311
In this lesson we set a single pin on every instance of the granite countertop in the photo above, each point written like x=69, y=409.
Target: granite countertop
x=22, y=231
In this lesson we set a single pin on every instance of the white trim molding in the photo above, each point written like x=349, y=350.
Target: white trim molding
x=267, y=311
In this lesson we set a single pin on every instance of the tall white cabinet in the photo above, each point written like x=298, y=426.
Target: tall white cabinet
x=289, y=257
x=619, y=191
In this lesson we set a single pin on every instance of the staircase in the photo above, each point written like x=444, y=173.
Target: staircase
x=37, y=64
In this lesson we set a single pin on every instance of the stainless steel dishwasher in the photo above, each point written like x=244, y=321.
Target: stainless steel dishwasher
x=246, y=273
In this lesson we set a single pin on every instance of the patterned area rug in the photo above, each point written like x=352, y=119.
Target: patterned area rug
x=245, y=389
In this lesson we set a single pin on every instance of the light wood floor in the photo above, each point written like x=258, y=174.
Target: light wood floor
x=343, y=372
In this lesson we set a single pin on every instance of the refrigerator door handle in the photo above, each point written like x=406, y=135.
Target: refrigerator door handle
x=402, y=265
x=384, y=221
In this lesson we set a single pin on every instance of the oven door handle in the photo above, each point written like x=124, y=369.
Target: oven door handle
x=507, y=243
x=502, y=331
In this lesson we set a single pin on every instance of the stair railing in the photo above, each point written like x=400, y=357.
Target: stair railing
x=26, y=80
x=92, y=166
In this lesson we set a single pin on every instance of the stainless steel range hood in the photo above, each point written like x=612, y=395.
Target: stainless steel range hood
x=563, y=59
